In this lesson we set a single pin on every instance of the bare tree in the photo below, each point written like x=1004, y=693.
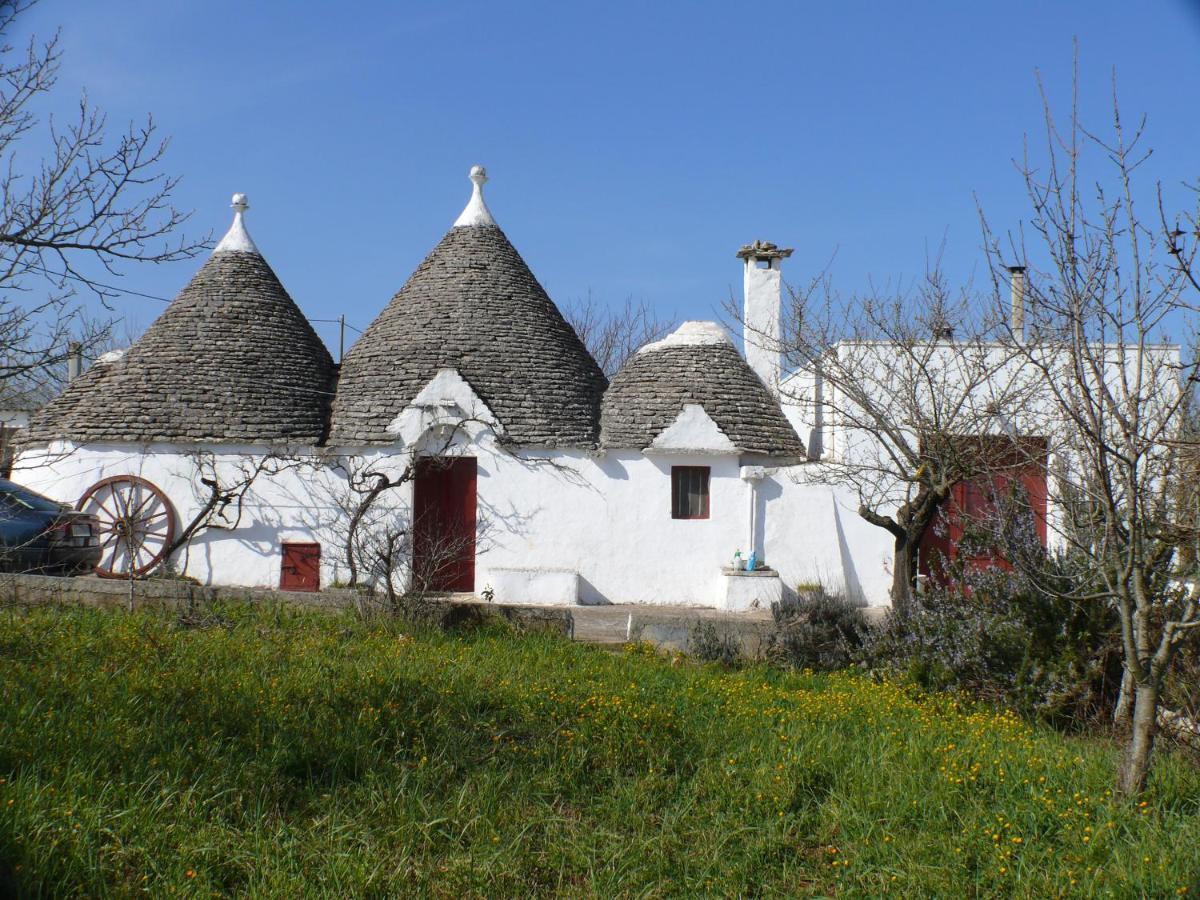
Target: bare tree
x=404, y=557
x=899, y=392
x=88, y=208
x=613, y=335
x=371, y=533
x=222, y=487
x=377, y=535
x=1106, y=284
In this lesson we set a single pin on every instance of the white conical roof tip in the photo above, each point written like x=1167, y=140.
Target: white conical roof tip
x=237, y=239
x=476, y=212
x=690, y=334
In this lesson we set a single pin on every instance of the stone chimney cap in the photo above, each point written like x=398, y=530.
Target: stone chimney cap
x=764, y=250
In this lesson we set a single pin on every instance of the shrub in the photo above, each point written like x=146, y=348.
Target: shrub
x=711, y=644
x=995, y=635
x=817, y=631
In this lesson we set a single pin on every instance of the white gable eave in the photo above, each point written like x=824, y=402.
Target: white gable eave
x=693, y=431
x=446, y=402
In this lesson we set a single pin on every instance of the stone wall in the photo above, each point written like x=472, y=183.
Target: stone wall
x=41, y=590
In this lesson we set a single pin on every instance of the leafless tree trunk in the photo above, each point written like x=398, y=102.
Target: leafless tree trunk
x=368, y=487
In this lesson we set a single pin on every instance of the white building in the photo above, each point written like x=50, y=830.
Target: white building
x=554, y=486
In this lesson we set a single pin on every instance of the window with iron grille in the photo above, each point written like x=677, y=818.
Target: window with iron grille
x=689, y=492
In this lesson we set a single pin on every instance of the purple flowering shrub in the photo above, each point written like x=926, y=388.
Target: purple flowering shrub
x=1007, y=636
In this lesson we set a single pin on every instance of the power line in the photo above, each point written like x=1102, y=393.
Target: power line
x=120, y=290
x=92, y=283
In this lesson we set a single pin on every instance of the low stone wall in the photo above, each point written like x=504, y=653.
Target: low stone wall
x=40, y=590
x=752, y=637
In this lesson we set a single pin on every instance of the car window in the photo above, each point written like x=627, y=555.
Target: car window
x=16, y=496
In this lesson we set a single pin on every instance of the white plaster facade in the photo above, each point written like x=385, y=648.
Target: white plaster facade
x=606, y=517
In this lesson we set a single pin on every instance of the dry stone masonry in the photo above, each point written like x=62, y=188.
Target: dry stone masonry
x=231, y=360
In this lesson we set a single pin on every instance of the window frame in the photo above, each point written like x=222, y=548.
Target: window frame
x=678, y=499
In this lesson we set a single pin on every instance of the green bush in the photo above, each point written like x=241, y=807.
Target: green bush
x=995, y=635
x=816, y=630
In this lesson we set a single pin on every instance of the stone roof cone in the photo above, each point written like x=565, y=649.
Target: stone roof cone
x=473, y=305
x=231, y=360
x=696, y=364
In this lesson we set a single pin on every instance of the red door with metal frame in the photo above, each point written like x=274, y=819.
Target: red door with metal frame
x=444, y=522
x=301, y=567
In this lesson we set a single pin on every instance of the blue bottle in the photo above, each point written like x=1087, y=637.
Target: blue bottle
x=753, y=563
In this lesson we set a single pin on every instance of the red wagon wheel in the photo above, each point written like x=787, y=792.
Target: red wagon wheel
x=137, y=524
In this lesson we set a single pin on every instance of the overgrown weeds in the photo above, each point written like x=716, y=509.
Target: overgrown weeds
x=276, y=752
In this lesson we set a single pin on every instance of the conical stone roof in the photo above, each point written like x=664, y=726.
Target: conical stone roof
x=473, y=306
x=695, y=365
x=231, y=360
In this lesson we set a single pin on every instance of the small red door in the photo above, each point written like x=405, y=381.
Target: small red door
x=444, y=524
x=301, y=567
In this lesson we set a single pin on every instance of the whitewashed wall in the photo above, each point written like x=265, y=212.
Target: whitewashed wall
x=284, y=508
x=606, y=516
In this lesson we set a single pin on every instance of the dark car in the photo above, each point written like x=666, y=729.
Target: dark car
x=39, y=535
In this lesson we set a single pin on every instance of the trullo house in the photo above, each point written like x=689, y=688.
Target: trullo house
x=506, y=462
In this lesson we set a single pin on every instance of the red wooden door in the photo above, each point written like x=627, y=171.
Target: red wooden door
x=976, y=501
x=444, y=512
x=301, y=567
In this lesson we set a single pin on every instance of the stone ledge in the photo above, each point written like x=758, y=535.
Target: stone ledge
x=761, y=572
x=752, y=637
x=105, y=593
x=543, y=587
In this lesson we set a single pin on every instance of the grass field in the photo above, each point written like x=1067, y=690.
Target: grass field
x=275, y=753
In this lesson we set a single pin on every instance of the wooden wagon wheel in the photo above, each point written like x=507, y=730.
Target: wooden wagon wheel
x=137, y=524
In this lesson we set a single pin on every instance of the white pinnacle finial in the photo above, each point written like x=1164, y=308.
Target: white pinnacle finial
x=237, y=239
x=476, y=212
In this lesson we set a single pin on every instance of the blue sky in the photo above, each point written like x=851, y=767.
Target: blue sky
x=632, y=147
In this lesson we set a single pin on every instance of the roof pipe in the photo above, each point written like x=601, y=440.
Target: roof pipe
x=1017, y=289
x=74, y=360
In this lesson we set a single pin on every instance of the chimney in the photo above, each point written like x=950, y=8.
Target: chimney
x=762, y=312
x=1017, y=274
x=74, y=360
